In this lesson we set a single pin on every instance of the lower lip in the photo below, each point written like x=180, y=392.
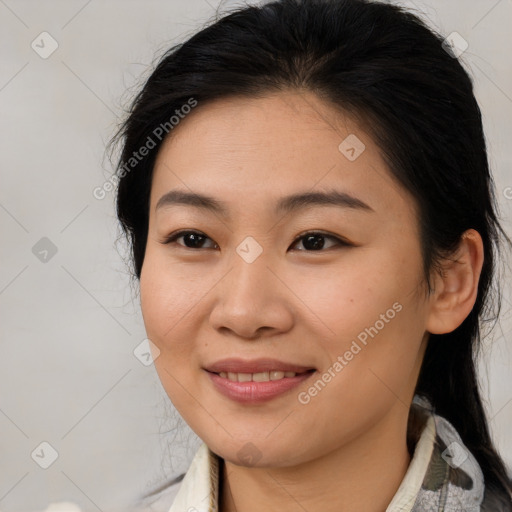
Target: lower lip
x=256, y=392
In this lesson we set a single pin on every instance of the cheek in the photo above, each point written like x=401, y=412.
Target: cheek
x=367, y=313
x=354, y=292
x=169, y=294
x=167, y=303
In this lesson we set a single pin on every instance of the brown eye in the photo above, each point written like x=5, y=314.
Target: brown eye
x=315, y=241
x=191, y=239
x=312, y=242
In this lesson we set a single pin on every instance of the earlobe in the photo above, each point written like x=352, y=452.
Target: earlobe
x=456, y=288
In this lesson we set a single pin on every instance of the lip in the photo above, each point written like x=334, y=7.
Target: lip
x=235, y=365
x=256, y=392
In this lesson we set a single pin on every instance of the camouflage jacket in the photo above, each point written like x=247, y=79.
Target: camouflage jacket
x=443, y=476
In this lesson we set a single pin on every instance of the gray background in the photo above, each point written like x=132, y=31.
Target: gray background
x=69, y=325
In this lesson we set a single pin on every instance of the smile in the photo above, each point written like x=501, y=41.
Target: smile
x=257, y=377
x=255, y=388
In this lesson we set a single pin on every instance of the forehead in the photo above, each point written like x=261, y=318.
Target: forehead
x=266, y=147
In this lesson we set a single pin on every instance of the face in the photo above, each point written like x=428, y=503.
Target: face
x=255, y=284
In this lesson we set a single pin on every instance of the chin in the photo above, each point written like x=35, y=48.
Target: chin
x=256, y=454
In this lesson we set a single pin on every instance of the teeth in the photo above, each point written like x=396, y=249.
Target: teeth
x=260, y=377
x=256, y=377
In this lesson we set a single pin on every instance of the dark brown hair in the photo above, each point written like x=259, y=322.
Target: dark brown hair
x=386, y=66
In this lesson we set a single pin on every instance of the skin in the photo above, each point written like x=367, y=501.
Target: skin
x=346, y=448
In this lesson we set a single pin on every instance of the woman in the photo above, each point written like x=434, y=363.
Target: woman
x=306, y=191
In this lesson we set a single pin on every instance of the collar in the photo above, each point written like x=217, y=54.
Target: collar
x=442, y=475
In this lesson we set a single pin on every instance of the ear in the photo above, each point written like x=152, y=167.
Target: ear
x=456, y=289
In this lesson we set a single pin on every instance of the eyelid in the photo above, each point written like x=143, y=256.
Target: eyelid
x=177, y=234
x=340, y=241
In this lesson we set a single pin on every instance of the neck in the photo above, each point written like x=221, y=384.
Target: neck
x=363, y=474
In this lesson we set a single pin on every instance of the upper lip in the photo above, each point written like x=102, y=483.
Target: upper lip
x=235, y=365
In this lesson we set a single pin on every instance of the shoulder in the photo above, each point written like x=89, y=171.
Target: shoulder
x=161, y=498
x=196, y=489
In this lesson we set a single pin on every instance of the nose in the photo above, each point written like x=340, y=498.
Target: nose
x=251, y=301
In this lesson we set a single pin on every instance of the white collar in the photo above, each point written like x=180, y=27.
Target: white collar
x=421, y=486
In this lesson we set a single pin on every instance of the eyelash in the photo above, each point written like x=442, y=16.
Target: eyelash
x=178, y=234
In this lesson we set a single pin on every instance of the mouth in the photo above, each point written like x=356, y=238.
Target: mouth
x=256, y=381
x=266, y=376
x=256, y=366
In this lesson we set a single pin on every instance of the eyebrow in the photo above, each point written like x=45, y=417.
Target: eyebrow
x=285, y=204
